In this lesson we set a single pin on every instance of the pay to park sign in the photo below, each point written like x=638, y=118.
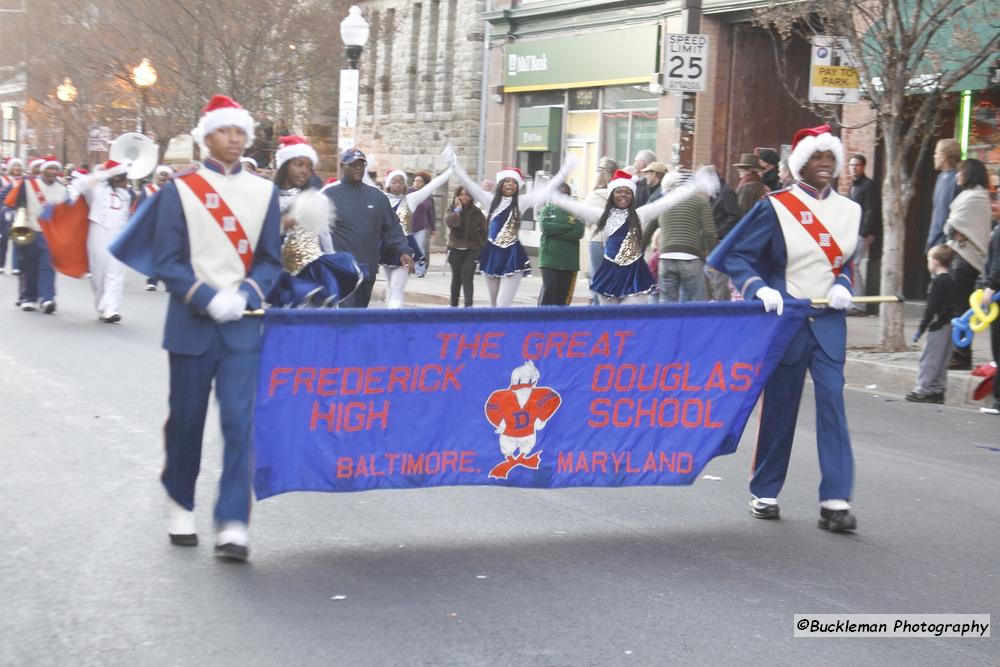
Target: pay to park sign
x=833, y=78
x=352, y=400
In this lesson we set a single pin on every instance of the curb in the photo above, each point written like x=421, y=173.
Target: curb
x=896, y=378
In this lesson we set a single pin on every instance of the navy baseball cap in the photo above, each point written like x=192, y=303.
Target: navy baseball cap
x=352, y=155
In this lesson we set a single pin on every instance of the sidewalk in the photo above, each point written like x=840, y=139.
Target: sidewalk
x=892, y=373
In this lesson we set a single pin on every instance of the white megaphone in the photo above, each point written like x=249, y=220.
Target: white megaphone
x=137, y=152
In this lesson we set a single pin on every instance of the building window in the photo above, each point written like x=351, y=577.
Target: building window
x=414, y=57
x=628, y=122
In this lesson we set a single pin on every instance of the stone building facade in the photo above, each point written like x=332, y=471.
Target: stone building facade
x=420, y=83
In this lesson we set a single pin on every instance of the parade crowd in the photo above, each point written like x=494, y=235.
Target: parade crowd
x=226, y=241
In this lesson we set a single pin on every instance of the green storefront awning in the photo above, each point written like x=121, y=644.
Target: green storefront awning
x=607, y=58
x=539, y=128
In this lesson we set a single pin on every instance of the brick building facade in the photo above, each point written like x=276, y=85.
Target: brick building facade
x=420, y=83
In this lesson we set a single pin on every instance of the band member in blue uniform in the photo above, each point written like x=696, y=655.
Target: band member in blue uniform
x=503, y=260
x=404, y=204
x=34, y=194
x=796, y=243
x=623, y=276
x=216, y=244
x=315, y=276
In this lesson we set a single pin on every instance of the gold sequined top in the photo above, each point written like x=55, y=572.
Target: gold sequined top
x=631, y=248
x=301, y=247
x=405, y=216
x=507, y=236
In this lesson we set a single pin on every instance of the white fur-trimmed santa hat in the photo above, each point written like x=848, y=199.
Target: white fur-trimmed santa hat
x=163, y=169
x=220, y=112
x=621, y=179
x=393, y=173
x=810, y=140
x=13, y=161
x=511, y=172
x=293, y=146
x=50, y=161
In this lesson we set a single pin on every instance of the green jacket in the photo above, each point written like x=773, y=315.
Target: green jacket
x=561, y=234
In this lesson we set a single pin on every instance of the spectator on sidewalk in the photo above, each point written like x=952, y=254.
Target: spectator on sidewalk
x=424, y=222
x=947, y=153
x=466, y=235
x=932, y=374
x=687, y=235
x=992, y=279
x=654, y=180
x=559, y=252
x=726, y=213
x=968, y=232
x=784, y=175
x=863, y=192
x=643, y=188
x=769, y=168
x=748, y=195
x=748, y=169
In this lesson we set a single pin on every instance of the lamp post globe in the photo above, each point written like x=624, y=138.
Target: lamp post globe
x=143, y=76
x=66, y=94
x=354, y=33
x=66, y=91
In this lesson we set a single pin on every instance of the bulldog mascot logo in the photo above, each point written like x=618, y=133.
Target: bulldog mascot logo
x=518, y=413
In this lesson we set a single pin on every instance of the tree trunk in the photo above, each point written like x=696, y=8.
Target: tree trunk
x=891, y=338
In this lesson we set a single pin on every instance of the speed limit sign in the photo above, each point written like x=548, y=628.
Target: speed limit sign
x=686, y=62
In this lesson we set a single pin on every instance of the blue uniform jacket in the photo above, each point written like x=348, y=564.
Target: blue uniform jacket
x=753, y=254
x=188, y=328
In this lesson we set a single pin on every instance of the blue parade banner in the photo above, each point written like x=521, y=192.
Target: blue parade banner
x=354, y=400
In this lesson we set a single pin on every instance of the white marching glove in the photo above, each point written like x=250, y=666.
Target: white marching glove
x=839, y=297
x=772, y=300
x=227, y=306
x=449, y=155
x=706, y=180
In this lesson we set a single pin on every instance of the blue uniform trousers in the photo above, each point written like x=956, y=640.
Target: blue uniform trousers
x=38, y=278
x=235, y=375
x=780, y=411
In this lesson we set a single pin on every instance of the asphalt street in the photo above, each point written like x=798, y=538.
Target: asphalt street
x=460, y=576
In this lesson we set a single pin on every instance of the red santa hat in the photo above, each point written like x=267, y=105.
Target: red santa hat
x=294, y=146
x=810, y=140
x=331, y=180
x=220, y=112
x=110, y=169
x=50, y=161
x=621, y=179
x=393, y=173
x=35, y=162
x=510, y=172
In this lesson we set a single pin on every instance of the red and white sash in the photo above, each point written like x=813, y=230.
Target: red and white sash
x=151, y=189
x=814, y=227
x=38, y=192
x=223, y=216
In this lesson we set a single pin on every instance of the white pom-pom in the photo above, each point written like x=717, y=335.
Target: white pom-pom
x=312, y=210
x=706, y=180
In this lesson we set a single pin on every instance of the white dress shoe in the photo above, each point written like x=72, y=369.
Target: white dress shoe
x=180, y=525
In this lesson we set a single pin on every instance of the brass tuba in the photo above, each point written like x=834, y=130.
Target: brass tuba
x=20, y=232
